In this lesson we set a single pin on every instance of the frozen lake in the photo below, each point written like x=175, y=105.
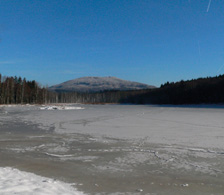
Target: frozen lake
x=117, y=149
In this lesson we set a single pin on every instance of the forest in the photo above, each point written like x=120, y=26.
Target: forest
x=210, y=90
x=15, y=90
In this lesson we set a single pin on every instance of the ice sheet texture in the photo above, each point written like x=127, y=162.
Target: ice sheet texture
x=189, y=126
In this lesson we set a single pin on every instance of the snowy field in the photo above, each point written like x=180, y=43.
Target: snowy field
x=111, y=149
x=13, y=181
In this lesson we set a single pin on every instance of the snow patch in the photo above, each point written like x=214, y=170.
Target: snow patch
x=13, y=181
x=61, y=108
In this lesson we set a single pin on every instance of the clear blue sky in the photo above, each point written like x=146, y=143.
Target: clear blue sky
x=149, y=41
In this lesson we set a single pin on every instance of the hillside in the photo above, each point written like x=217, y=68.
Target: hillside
x=209, y=90
x=98, y=84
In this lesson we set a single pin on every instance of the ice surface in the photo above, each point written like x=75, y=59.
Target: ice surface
x=194, y=127
x=13, y=181
x=159, y=149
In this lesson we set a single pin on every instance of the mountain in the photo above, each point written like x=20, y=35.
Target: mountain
x=97, y=84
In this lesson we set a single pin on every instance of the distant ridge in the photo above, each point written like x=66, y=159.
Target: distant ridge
x=97, y=84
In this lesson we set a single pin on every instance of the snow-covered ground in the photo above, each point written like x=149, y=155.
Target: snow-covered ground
x=61, y=108
x=105, y=148
x=13, y=181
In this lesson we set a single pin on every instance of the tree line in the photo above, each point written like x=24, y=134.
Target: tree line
x=15, y=90
x=210, y=90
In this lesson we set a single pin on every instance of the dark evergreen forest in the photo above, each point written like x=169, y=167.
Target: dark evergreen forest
x=15, y=90
x=210, y=90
